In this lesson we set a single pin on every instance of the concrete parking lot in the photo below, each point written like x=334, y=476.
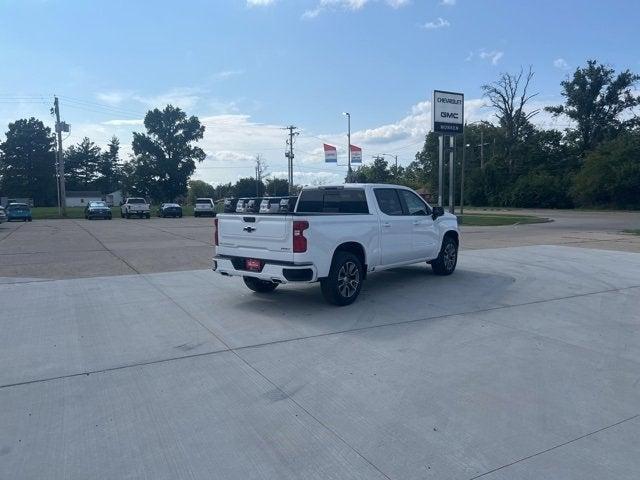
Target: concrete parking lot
x=125, y=357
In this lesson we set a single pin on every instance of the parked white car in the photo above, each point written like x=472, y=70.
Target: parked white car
x=336, y=235
x=204, y=207
x=135, y=207
x=3, y=215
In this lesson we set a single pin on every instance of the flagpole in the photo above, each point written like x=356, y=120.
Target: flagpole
x=348, y=145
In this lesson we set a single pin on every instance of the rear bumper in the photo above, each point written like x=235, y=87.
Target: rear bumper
x=279, y=272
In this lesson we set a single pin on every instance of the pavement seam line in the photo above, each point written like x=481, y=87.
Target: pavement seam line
x=11, y=232
x=267, y=379
x=556, y=446
x=106, y=248
x=306, y=337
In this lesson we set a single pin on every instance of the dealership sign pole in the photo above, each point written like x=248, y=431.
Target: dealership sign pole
x=447, y=113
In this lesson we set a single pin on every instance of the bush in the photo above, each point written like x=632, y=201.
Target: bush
x=540, y=190
x=610, y=176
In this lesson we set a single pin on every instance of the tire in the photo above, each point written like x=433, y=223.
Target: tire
x=344, y=282
x=447, y=259
x=121, y=214
x=127, y=216
x=148, y=216
x=259, y=286
x=195, y=214
x=29, y=219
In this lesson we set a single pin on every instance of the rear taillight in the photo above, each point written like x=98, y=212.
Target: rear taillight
x=215, y=232
x=299, y=240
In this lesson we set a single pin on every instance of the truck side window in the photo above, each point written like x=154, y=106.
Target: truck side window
x=333, y=200
x=414, y=205
x=388, y=201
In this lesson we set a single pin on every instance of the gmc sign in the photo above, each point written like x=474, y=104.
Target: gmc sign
x=447, y=112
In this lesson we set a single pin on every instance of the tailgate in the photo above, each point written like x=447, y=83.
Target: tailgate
x=267, y=237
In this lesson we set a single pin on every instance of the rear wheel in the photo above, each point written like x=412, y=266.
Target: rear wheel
x=260, y=286
x=447, y=259
x=344, y=282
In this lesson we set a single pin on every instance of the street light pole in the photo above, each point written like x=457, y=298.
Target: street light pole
x=348, y=145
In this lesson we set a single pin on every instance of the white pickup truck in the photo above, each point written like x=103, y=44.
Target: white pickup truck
x=135, y=206
x=336, y=235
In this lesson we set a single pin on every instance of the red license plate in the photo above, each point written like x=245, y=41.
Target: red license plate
x=253, y=264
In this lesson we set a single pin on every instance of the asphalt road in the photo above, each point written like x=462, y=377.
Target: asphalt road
x=82, y=248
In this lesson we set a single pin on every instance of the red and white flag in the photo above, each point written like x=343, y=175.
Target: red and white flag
x=330, y=154
x=356, y=154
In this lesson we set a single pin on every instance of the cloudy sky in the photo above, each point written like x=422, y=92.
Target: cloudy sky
x=248, y=68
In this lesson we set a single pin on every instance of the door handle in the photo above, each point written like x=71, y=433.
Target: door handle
x=386, y=225
x=418, y=222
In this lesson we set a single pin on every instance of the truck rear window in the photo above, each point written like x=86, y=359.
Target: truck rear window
x=333, y=200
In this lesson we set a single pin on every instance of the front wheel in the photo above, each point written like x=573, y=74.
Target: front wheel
x=260, y=286
x=344, y=282
x=447, y=259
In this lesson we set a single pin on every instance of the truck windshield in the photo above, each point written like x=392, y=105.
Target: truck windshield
x=137, y=200
x=333, y=200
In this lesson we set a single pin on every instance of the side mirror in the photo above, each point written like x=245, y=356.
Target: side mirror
x=437, y=212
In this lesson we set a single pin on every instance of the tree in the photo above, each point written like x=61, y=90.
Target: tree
x=277, y=187
x=224, y=190
x=27, y=162
x=81, y=165
x=109, y=168
x=248, y=187
x=166, y=156
x=200, y=189
x=376, y=172
x=597, y=100
x=509, y=95
x=610, y=176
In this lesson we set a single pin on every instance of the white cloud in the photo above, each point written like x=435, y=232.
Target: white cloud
x=113, y=97
x=560, y=63
x=224, y=74
x=447, y=3
x=121, y=123
x=349, y=5
x=494, y=56
x=185, y=98
x=260, y=3
x=438, y=23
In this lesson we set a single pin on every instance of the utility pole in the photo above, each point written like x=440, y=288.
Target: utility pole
x=482, y=149
x=292, y=133
x=62, y=198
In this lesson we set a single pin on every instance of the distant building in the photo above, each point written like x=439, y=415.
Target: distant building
x=4, y=201
x=80, y=198
x=114, y=198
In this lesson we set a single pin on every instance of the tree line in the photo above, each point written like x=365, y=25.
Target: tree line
x=593, y=162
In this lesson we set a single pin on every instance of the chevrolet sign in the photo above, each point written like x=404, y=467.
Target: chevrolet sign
x=447, y=112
